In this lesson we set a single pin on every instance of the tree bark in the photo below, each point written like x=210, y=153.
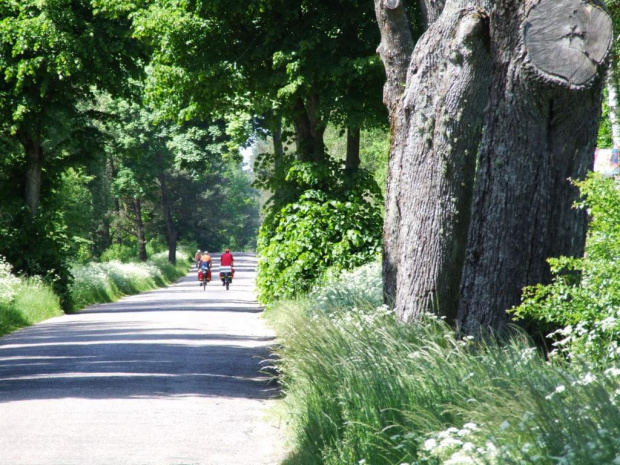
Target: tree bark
x=33, y=150
x=431, y=9
x=137, y=205
x=540, y=129
x=171, y=230
x=309, y=130
x=352, y=162
x=437, y=129
x=118, y=236
x=278, y=146
x=395, y=51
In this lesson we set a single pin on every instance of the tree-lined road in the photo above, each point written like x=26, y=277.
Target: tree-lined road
x=164, y=377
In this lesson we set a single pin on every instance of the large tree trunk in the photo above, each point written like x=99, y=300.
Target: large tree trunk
x=118, y=234
x=436, y=132
x=395, y=51
x=352, y=162
x=137, y=206
x=540, y=129
x=278, y=147
x=34, y=171
x=309, y=130
x=172, y=233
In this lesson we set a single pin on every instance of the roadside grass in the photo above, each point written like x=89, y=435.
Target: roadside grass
x=363, y=389
x=26, y=301
x=108, y=281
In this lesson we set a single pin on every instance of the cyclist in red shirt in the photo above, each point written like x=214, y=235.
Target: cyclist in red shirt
x=227, y=260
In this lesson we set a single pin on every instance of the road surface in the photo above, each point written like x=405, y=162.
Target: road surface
x=164, y=377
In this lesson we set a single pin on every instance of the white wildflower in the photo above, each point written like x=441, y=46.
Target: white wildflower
x=430, y=444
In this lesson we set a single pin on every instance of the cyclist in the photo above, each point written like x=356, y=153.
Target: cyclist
x=197, y=258
x=205, y=264
x=226, y=260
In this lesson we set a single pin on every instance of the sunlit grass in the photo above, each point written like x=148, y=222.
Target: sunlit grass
x=24, y=301
x=108, y=281
x=363, y=389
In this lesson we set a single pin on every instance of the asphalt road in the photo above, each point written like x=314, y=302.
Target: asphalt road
x=164, y=377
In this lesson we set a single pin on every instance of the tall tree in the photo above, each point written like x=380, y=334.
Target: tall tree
x=474, y=54
x=48, y=67
x=540, y=132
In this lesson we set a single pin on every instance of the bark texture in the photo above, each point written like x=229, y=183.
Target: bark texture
x=539, y=131
x=436, y=128
x=447, y=89
x=170, y=228
x=34, y=172
x=137, y=206
x=395, y=51
x=352, y=162
x=309, y=130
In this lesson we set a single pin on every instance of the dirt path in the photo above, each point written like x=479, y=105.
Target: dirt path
x=165, y=377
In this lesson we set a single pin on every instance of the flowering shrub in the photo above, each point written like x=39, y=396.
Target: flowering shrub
x=348, y=288
x=105, y=282
x=8, y=282
x=584, y=298
x=24, y=301
x=363, y=389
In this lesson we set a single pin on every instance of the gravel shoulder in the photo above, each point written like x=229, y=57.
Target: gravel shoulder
x=164, y=377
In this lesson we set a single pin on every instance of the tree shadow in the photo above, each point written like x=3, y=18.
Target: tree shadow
x=95, y=361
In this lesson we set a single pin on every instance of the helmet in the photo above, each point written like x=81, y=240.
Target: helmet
x=198, y=250
x=227, y=250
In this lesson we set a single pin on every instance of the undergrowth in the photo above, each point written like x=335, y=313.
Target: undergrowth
x=108, y=281
x=26, y=301
x=363, y=389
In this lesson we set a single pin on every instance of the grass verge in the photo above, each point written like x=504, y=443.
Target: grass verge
x=107, y=282
x=362, y=389
x=24, y=302
x=31, y=301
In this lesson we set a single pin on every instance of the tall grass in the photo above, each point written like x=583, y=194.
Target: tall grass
x=363, y=389
x=108, y=281
x=24, y=301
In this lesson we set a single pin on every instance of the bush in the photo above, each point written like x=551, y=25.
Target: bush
x=124, y=253
x=334, y=223
x=24, y=301
x=364, y=389
x=106, y=282
x=584, y=298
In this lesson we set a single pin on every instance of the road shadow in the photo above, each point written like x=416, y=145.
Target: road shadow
x=96, y=356
x=92, y=360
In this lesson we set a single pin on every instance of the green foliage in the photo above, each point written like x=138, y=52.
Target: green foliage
x=24, y=301
x=363, y=389
x=108, y=281
x=374, y=150
x=335, y=222
x=584, y=297
x=38, y=247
